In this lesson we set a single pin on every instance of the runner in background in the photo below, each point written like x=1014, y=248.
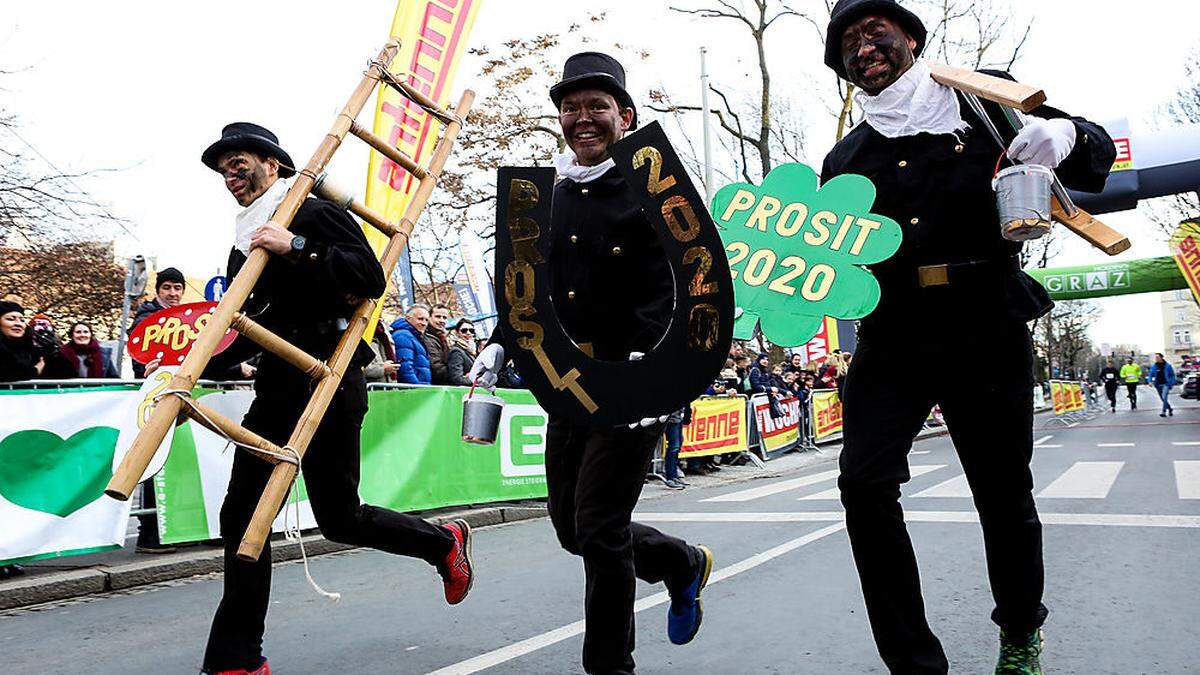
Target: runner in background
x=1111, y=377
x=1131, y=375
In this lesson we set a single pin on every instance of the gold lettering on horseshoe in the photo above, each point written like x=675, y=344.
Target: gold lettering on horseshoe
x=698, y=285
x=703, y=327
x=520, y=289
x=654, y=182
x=679, y=203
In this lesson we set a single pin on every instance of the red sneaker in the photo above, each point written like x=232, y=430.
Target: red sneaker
x=456, y=570
x=264, y=669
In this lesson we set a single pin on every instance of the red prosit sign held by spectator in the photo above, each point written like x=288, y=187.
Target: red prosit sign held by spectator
x=168, y=334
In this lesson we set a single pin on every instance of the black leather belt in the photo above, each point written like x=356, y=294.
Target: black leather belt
x=950, y=274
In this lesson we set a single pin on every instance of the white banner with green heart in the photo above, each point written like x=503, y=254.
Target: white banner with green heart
x=56, y=456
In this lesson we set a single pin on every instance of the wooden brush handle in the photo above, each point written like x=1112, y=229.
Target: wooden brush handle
x=1085, y=225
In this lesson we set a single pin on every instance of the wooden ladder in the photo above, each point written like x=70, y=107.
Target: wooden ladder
x=228, y=314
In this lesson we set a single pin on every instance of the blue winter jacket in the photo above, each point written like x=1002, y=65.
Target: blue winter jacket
x=1169, y=375
x=410, y=354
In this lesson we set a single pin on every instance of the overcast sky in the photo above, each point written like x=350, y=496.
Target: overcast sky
x=144, y=86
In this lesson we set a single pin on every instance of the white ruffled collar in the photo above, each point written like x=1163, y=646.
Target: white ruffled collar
x=913, y=104
x=568, y=166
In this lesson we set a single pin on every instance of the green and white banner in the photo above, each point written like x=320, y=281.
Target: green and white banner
x=1147, y=275
x=412, y=459
x=58, y=451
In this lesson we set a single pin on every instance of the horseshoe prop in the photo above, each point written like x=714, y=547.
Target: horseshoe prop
x=566, y=381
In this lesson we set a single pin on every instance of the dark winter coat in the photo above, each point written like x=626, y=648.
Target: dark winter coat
x=410, y=354
x=609, y=277
x=306, y=299
x=144, y=310
x=438, y=352
x=938, y=188
x=18, y=359
x=459, y=365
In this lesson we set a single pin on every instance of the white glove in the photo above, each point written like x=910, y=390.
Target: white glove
x=647, y=421
x=486, y=369
x=1044, y=142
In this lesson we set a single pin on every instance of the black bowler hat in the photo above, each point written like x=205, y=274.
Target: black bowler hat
x=846, y=12
x=593, y=70
x=248, y=136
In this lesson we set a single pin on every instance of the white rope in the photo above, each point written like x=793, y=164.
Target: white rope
x=291, y=532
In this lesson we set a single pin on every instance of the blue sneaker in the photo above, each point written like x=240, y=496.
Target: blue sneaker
x=687, y=610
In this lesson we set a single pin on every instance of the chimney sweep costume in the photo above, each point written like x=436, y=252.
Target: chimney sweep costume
x=612, y=290
x=954, y=291
x=302, y=297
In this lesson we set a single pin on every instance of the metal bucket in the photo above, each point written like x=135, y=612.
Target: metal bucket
x=1023, y=199
x=481, y=418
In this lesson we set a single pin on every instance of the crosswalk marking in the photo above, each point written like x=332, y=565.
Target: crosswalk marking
x=955, y=487
x=1048, y=445
x=1043, y=439
x=1115, y=445
x=920, y=452
x=1187, y=478
x=914, y=470
x=1185, y=442
x=774, y=488
x=1084, y=480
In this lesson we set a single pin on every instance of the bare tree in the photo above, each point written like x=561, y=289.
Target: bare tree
x=1184, y=108
x=67, y=281
x=1061, y=336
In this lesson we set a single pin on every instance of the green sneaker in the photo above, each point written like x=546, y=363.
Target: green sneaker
x=1020, y=656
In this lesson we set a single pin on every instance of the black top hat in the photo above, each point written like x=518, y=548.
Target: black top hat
x=248, y=136
x=593, y=70
x=846, y=12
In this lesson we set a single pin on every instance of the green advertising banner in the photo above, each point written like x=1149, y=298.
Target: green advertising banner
x=1147, y=275
x=413, y=458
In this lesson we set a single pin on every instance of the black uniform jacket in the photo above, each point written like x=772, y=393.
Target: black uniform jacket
x=938, y=188
x=301, y=298
x=609, y=278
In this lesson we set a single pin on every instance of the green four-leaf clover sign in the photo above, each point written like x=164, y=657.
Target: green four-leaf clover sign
x=795, y=250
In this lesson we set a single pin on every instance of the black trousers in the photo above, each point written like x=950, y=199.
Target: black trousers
x=896, y=378
x=1111, y=392
x=1132, y=392
x=331, y=472
x=594, y=478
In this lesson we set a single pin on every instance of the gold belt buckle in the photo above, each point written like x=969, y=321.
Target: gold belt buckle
x=932, y=275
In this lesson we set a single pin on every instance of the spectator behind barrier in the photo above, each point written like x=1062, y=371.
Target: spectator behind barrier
x=83, y=356
x=437, y=345
x=168, y=292
x=19, y=357
x=383, y=366
x=795, y=364
x=407, y=336
x=760, y=376
x=462, y=352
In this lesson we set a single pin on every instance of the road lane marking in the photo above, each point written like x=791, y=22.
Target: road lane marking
x=1185, y=442
x=955, y=487
x=1187, y=478
x=1097, y=519
x=1115, y=445
x=920, y=452
x=774, y=488
x=833, y=493
x=529, y=645
x=1084, y=480
x=1048, y=445
x=1043, y=439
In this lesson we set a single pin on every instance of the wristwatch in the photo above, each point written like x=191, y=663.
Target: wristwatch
x=299, y=242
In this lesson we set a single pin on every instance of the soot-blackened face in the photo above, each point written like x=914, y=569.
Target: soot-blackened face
x=876, y=52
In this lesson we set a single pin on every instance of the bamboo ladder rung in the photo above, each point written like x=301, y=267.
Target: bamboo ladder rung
x=384, y=148
x=326, y=190
x=428, y=104
x=222, y=425
x=263, y=337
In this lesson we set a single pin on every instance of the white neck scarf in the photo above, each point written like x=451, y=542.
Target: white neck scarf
x=568, y=166
x=258, y=213
x=912, y=104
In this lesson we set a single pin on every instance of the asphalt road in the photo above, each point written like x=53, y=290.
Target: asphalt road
x=1119, y=495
